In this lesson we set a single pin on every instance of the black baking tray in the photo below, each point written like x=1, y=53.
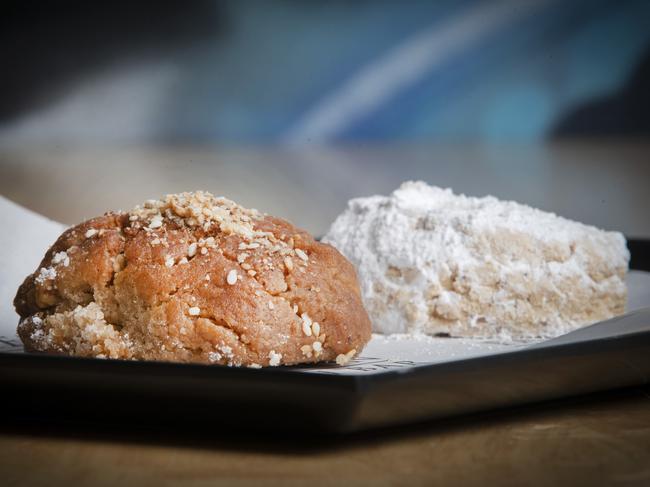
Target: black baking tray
x=47, y=387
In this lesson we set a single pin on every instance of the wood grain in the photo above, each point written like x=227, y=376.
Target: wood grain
x=602, y=440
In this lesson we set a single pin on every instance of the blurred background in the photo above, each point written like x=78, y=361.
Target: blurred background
x=294, y=107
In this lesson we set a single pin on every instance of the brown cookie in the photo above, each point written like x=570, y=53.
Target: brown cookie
x=193, y=278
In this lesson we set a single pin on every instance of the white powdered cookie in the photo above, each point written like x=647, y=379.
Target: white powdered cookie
x=433, y=262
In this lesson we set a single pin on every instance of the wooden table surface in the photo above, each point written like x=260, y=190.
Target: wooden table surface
x=602, y=440
x=599, y=440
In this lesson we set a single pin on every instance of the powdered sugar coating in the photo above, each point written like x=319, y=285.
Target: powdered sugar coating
x=430, y=261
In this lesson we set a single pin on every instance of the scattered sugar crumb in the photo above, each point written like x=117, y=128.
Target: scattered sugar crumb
x=45, y=274
x=61, y=258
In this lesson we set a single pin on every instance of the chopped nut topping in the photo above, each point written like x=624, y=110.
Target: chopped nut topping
x=344, y=358
x=194, y=311
x=232, y=277
x=199, y=209
x=306, y=350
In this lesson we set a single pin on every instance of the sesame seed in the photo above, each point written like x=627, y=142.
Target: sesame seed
x=232, y=277
x=204, y=251
x=254, y=366
x=302, y=255
x=306, y=350
x=271, y=306
x=252, y=273
x=274, y=358
x=315, y=328
x=295, y=308
x=288, y=263
x=155, y=241
x=194, y=311
x=317, y=346
x=183, y=260
x=306, y=330
x=242, y=257
x=169, y=261
x=90, y=233
x=133, y=218
x=191, y=250
x=207, y=277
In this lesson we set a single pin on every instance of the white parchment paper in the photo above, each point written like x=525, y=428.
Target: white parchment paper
x=26, y=236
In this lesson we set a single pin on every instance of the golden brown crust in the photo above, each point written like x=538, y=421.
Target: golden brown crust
x=236, y=289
